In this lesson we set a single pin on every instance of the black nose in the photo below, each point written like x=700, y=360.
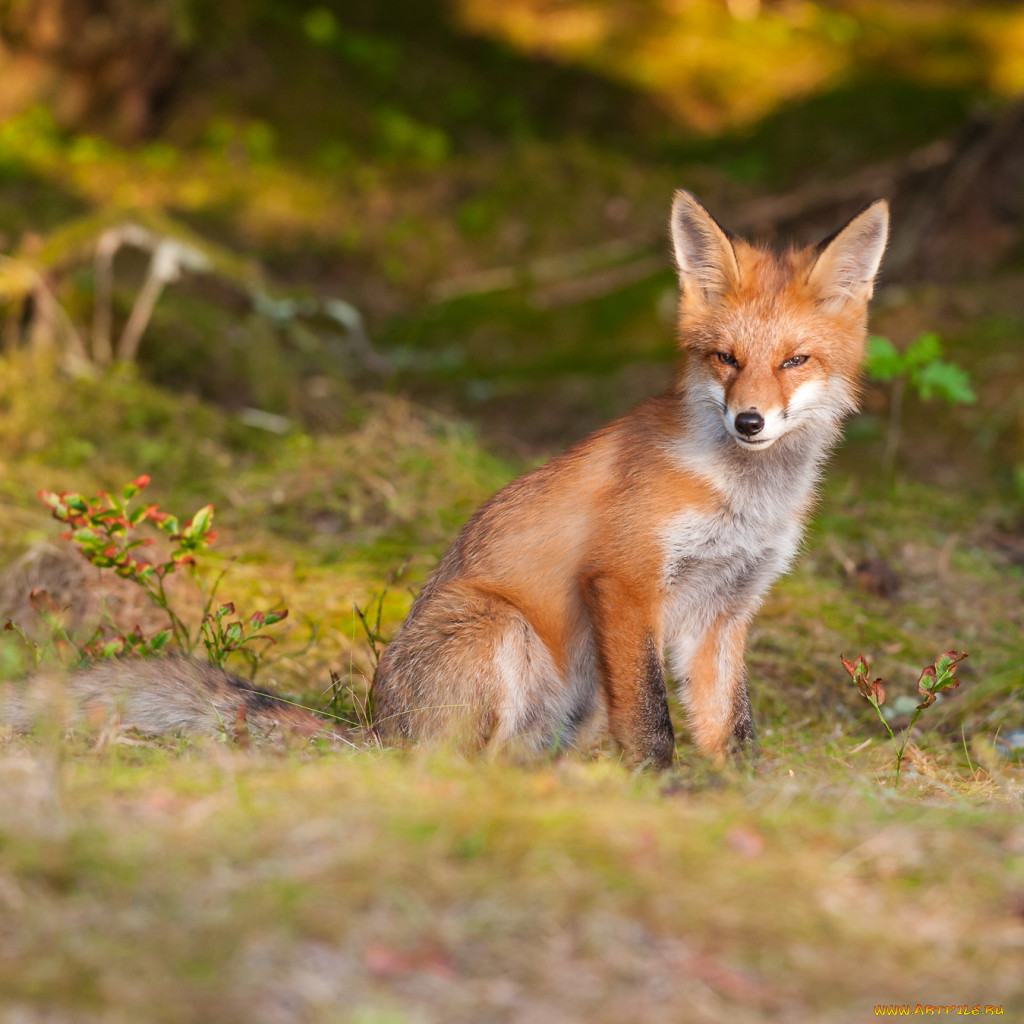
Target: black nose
x=750, y=423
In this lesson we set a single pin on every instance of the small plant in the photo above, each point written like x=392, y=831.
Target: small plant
x=57, y=636
x=933, y=679
x=221, y=638
x=921, y=368
x=105, y=528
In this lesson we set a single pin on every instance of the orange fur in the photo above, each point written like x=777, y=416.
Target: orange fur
x=660, y=532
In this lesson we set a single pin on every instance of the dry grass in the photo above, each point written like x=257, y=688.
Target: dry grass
x=210, y=884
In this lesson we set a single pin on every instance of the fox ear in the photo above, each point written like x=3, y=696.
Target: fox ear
x=848, y=261
x=704, y=254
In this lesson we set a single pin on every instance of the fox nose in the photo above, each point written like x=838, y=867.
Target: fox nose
x=749, y=423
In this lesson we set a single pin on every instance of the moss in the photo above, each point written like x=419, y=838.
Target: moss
x=307, y=868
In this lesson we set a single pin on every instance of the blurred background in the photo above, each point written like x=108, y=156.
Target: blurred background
x=466, y=200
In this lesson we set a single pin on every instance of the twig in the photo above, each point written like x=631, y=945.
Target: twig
x=103, y=297
x=892, y=438
x=170, y=258
x=27, y=282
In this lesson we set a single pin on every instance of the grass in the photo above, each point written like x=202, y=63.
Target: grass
x=212, y=884
x=178, y=881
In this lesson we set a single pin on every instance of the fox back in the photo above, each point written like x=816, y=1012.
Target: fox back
x=654, y=540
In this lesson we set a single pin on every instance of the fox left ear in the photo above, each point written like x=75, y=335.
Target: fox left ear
x=704, y=254
x=848, y=261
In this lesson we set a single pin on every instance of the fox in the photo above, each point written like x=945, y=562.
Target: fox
x=640, y=554
x=645, y=550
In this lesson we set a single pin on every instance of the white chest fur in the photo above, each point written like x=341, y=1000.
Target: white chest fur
x=720, y=564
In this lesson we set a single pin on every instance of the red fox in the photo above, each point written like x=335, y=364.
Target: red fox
x=554, y=608
x=661, y=532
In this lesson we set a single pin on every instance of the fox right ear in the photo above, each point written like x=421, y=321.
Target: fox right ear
x=704, y=254
x=847, y=262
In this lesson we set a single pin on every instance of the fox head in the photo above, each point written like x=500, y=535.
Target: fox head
x=774, y=343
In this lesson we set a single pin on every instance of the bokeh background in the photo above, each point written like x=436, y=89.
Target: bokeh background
x=486, y=185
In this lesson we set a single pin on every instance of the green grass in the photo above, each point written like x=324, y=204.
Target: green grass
x=210, y=884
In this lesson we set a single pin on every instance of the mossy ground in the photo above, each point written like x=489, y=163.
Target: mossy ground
x=206, y=883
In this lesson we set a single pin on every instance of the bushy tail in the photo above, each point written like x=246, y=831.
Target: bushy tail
x=161, y=695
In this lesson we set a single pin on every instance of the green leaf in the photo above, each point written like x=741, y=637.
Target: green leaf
x=948, y=660
x=112, y=648
x=200, y=523
x=945, y=668
x=169, y=524
x=135, y=486
x=160, y=640
x=924, y=349
x=939, y=379
x=884, y=360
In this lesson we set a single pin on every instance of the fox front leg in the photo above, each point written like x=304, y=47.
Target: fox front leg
x=715, y=695
x=628, y=641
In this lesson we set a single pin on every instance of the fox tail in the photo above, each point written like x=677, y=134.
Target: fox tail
x=170, y=694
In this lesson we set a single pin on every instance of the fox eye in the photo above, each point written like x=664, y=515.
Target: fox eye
x=795, y=361
x=727, y=359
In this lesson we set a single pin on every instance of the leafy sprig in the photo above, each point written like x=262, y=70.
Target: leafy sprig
x=934, y=678
x=921, y=363
x=105, y=529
